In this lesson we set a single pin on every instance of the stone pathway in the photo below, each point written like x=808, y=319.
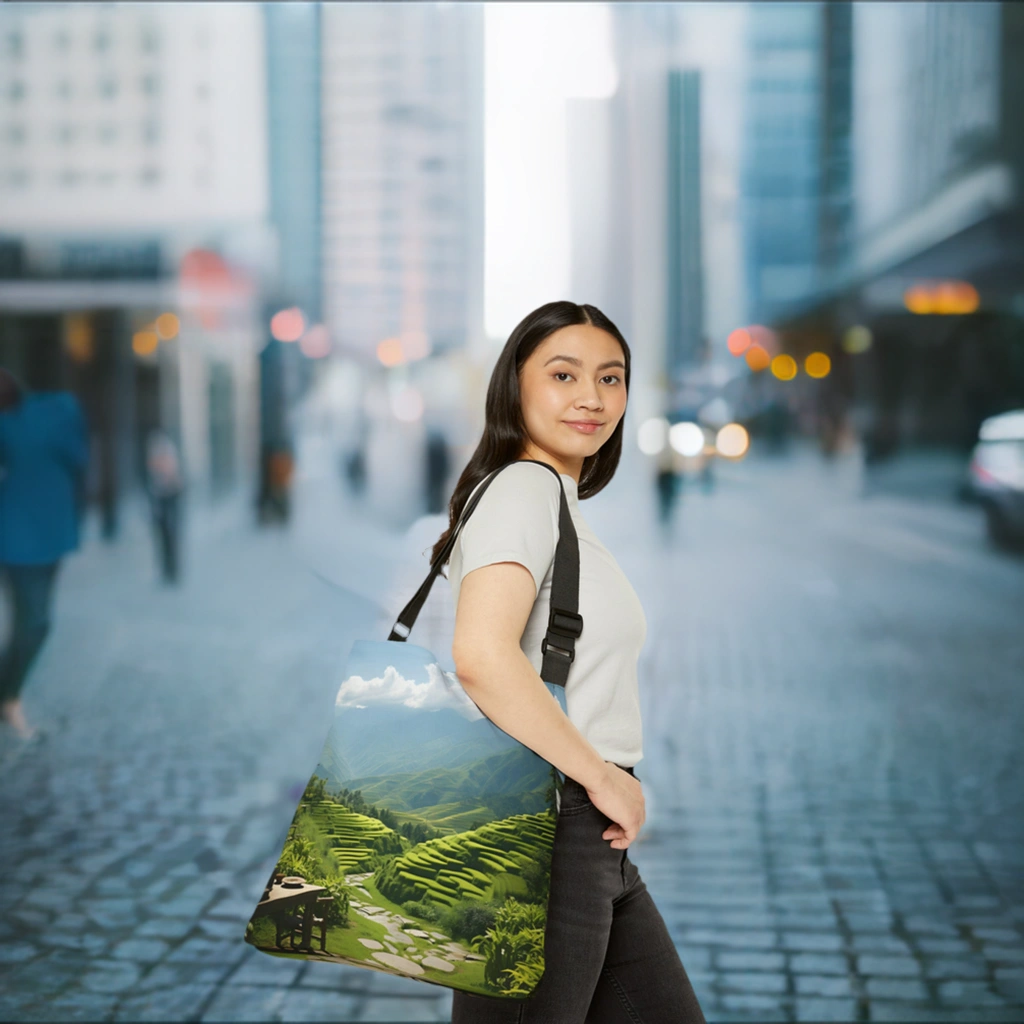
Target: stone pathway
x=403, y=931
x=833, y=769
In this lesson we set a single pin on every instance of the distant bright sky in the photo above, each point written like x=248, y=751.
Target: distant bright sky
x=536, y=56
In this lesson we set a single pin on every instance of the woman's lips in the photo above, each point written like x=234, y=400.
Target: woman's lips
x=583, y=428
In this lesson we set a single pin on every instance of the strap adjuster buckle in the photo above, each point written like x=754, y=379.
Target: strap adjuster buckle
x=545, y=647
x=565, y=623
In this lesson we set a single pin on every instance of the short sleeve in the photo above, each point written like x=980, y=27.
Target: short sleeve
x=516, y=520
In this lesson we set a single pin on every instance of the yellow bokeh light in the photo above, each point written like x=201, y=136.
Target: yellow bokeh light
x=167, y=326
x=757, y=358
x=732, y=441
x=943, y=297
x=951, y=297
x=918, y=299
x=144, y=343
x=817, y=364
x=784, y=367
x=79, y=338
x=390, y=353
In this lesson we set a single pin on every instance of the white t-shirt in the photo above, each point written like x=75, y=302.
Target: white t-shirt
x=516, y=520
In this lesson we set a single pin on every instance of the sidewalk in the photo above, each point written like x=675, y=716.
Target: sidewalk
x=831, y=754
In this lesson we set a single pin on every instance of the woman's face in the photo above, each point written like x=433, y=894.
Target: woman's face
x=575, y=376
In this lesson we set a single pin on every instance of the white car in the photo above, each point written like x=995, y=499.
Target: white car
x=997, y=476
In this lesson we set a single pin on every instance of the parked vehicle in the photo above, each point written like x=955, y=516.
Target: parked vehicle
x=997, y=476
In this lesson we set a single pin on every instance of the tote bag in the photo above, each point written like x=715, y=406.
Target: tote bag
x=422, y=844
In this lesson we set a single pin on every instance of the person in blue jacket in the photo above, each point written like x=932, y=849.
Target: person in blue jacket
x=43, y=458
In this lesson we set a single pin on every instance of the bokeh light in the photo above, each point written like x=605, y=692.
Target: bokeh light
x=167, y=326
x=316, y=342
x=739, y=341
x=732, y=441
x=757, y=358
x=79, y=337
x=784, y=367
x=288, y=324
x=652, y=436
x=144, y=343
x=817, y=364
x=857, y=339
x=390, y=352
x=686, y=438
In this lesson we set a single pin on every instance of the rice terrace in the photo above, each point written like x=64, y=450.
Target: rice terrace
x=438, y=873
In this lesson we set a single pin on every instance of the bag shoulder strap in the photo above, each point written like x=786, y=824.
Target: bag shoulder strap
x=565, y=624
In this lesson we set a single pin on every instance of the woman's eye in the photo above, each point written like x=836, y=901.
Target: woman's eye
x=565, y=373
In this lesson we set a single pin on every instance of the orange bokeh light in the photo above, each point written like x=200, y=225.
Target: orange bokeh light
x=144, y=343
x=167, y=326
x=942, y=297
x=757, y=358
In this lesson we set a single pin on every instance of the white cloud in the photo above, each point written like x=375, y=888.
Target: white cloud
x=441, y=690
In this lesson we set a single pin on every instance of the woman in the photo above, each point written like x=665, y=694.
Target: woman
x=558, y=395
x=43, y=459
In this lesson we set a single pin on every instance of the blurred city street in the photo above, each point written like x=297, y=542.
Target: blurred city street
x=832, y=762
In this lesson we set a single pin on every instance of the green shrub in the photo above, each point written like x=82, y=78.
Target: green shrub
x=514, y=947
x=423, y=909
x=469, y=919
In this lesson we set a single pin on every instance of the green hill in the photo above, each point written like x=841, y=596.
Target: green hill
x=499, y=786
x=354, y=837
x=482, y=864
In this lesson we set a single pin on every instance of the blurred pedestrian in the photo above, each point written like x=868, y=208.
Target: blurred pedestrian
x=43, y=457
x=438, y=467
x=667, y=483
x=166, y=485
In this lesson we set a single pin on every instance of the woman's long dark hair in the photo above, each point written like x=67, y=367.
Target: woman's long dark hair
x=505, y=435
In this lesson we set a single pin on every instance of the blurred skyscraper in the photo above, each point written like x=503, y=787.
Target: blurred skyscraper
x=885, y=162
x=403, y=176
x=294, y=86
x=684, y=259
x=782, y=160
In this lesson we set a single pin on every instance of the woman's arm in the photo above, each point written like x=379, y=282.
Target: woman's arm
x=495, y=601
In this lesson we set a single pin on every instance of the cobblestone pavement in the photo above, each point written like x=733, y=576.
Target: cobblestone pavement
x=832, y=763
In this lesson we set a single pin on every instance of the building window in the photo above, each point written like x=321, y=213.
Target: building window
x=150, y=84
x=64, y=89
x=150, y=131
x=65, y=133
x=17, y=177
x=108, y=87
x=101, y=41
x=16, y=132
x=16, y=90
x=107, y=132
x=69, y=177
x=62, y=40
x=150, y=40
x=149, y=175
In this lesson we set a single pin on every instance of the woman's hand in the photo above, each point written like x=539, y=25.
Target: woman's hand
x=620, y=797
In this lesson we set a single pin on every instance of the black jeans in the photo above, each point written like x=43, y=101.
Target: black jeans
x=608, y=957
x=31, y=593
